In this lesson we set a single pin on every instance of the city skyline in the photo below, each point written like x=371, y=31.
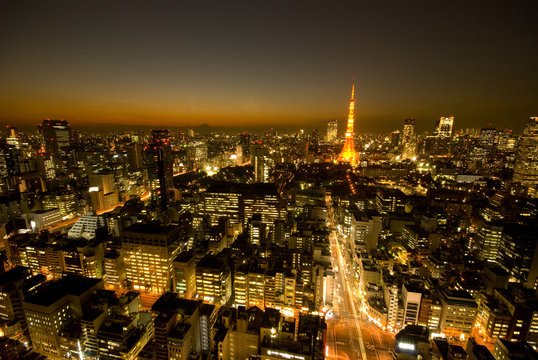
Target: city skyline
x=177, y=65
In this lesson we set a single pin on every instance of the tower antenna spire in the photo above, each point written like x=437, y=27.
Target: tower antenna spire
x=348, y=153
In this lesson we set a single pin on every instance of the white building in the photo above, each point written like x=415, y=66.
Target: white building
x=86, y=226
x=42, y=219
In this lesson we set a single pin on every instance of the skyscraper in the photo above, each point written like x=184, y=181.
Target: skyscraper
x=159, y=166
x=526, y=167
x=395, y=139
x=348, y=153
x=488, y=140
x=57, y=139
x=444, y=126
x=409, y=142
x=260, y=162
x=332, y=130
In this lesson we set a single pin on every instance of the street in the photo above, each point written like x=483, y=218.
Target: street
x=350, y=334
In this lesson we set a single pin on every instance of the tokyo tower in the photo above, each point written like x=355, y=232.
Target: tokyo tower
x=348, y=153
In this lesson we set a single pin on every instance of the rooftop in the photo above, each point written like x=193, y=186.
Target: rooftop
x=184, y=256
x=151, y=228
x=14, y=274
x=244, y=189
x=55, y=290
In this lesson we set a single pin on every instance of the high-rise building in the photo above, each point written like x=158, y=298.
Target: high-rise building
x=365, y=230
x=526, y=166
x=197, y=151
x=239, y=202
x=57, y=139
x=104, y=182
x=332, y=130
x=260, y=162
x=185, y=275
x=12, y=286
x=459, y=313
x=256, y=288
x=444, y=126
x=159, y=167
x=114, y=270
x=506, y=142
x=409, y=142
x=149, y=251
x=488, y=140
x=66, y=201
x=244, y=141
x=518, y=253
x=12, y=138
x=411, y=298
x=9, y=167
x=489, y=238
x=213, y=279
x=348, y=154
x=50, y=308
x=395, y=139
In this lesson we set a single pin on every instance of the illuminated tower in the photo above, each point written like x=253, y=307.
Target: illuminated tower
x=348, y=153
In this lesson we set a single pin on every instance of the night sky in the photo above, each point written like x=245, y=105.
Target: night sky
x=252, y=63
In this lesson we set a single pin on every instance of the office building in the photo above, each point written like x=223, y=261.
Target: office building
x=239, y=202
x=149, y=251
x=177, y=327
x=185, y=275
x=459, y=313
x=213, y=279
x=259, y=158
x=42, y=219
x=114, y=268
x=489, y=239
x=526, y=166
x=158, y=162
x=52, y=306
x=365, y=230
x=518, y=253
x=411, y=299
x=13, y=285
x=332, y=131
x=409, y=141
x=58, y=142
x=444, y=126
x=86, y=226
x=506, y=350
x=103, y=193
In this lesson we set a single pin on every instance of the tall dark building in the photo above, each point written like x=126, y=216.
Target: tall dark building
x=395, y=138
x=244, y=140
x=518, y=253
x=159, y=165
x=9, y=164
x=58, y=141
